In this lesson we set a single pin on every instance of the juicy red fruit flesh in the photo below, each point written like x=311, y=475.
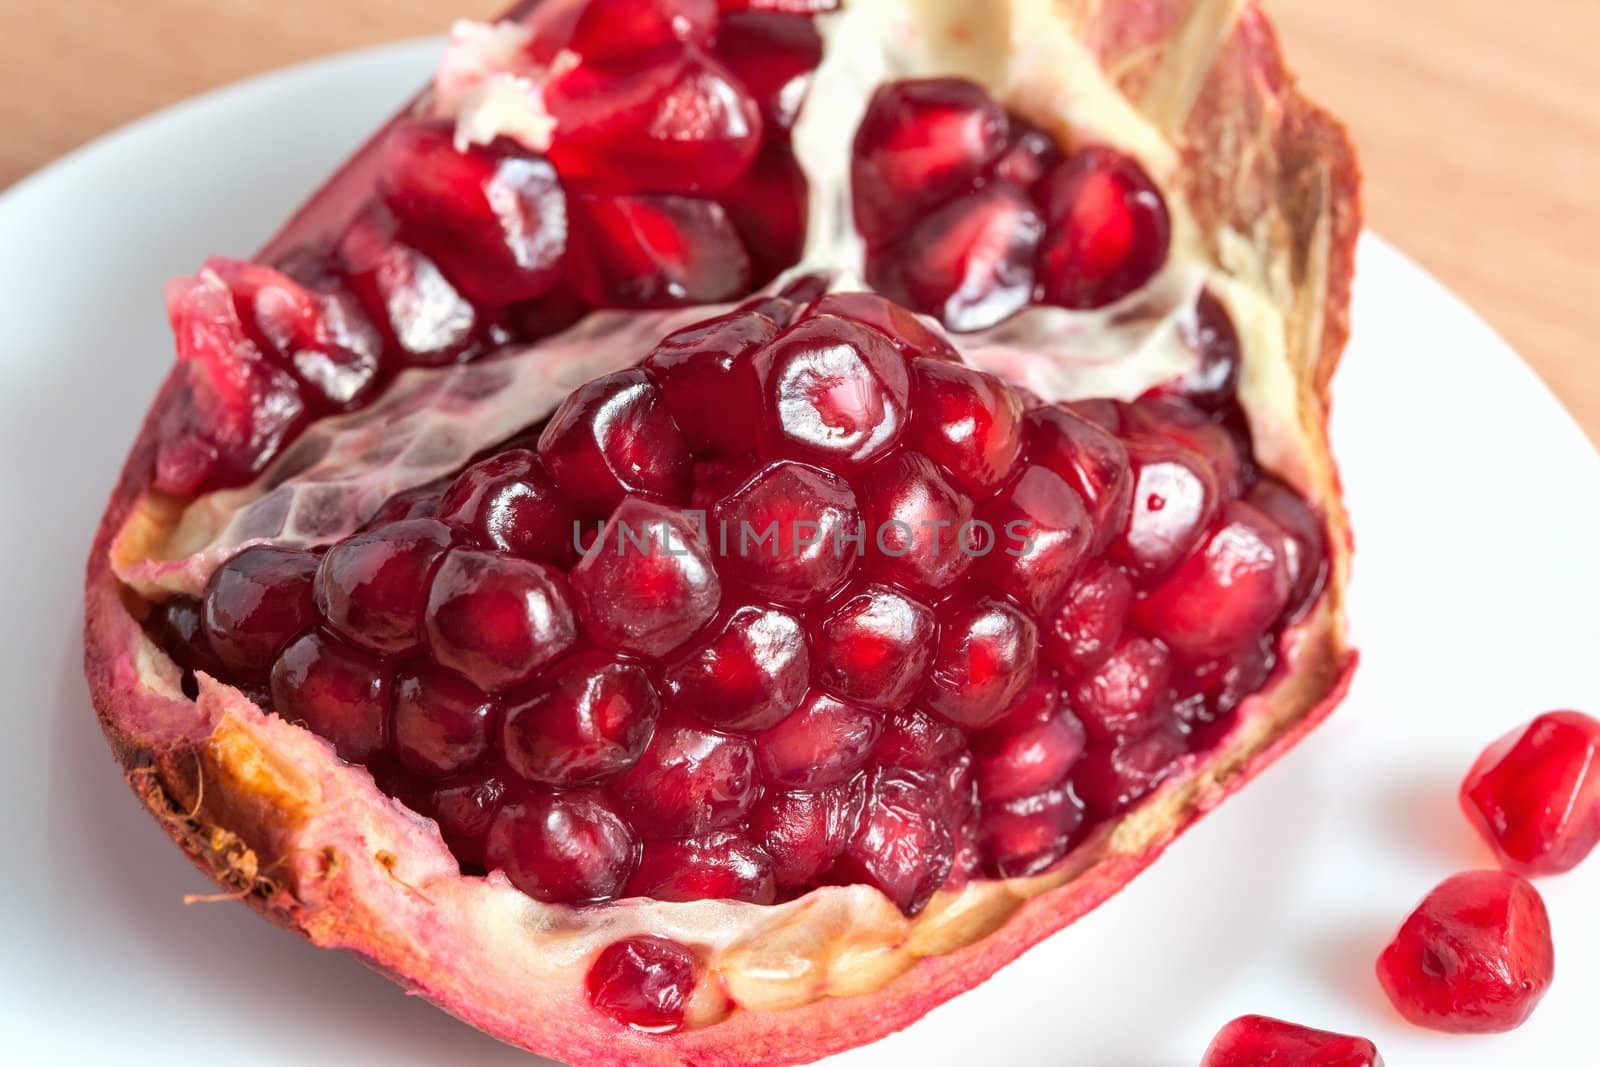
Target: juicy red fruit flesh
x=644, y=983
x=1256, y=1041
x=1475, y=957
x=1534, y=794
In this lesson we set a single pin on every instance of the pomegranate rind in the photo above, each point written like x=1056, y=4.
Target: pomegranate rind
x=267, y=810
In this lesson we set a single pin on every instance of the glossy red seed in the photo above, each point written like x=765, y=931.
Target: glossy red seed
x=498, y=620
x=510, y=502
x=824, y=742
x=987, y=653
x=1112, y=775
x=1209, y=690
x=585, y=721
x=465, y=806
x=835, y=391
x=1227, y=594
x=1174, y=500
x=902, y=844
x=440, y=722
x=606, y=31
x=647, y=584
x=1255, y=1040
x=1534, y=794
x=968, y=422
x=493, y=217
x=920, y=144
x=794, y=7
x=427, y=321
x=1084, y=628
x=1474, y=958
x=1176, y=419
x=919, y=528
x=1214, y=382
x=917, y=741
x=372, y=587
x=968, y=263
x=1016, y=763
x=611, y=437
x=689, y=781
x=708, y=382
x=910, y=334
x=747, y=676
x=1089, y=459
x=1025, y=836
x=1126, y=695
x=1029, y=156
x=255, y=603
x=714, y=866
x=179, y=626
x=1306, y=550
x=644, y=983
x=1041, y=532
x=654, y=251
x=805, y=833
x=575, y=848
x=874, y=647
x=791, y=533
x=773, y=56
x=769, y=207
x=340, y=692
x=1107, y=230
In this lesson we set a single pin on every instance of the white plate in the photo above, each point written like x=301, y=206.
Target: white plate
x=1476, y=503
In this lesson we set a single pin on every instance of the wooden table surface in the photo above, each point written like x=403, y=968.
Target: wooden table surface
x=1478, y=120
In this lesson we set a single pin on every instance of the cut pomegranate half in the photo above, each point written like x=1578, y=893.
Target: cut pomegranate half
x=790, y=663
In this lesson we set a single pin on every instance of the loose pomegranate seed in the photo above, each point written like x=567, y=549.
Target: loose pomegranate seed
x=1023, y=837
x=1126, y=694
x=920, y=144
x=1090, y=460
x=575, y=848
x=704, y=372
x=588, y=720
x=1213, y=384
x=1534, y=794
x=920, y=528
x=1174, y=499
x=1306, y=550
x=805, y=833
x=647, y=584
x=427, y=321
x=372, y=587
x=1106, y=230
x=498, y=620
x=714, y=866
x=987, y=652
x=613, y=437
x=773, y=56
x=1083, y=630
x=1475, y=957
x=824, y=742
x=338, y=691
x=1112, y=775
x=493, y=218
x=875, y=646
x=910, y=334
x=1255, y=1040
x=611, y=30
x=902, y=844
x=1042, y=531
x=509, y=502
x=748, y=676
x=465, y=807
x=440, y=722
x=968, y=422
x=644, y=983
x=257, y=602
x=689, y=781
x=654, y=251
x=1016, y=763
x=790, y=533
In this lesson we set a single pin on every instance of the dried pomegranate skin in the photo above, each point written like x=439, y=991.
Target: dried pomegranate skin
x=1474, y=958
x=1257, y=1041
x=1534, y=795
x=365, y=904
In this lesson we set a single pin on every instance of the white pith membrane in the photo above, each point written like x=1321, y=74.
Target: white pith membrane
x=341, y=847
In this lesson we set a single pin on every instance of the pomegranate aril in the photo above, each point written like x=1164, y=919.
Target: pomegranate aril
x=644, y=983
x=419, y=503
x=773, y=55
x=372, y=587
x=493, y=217
x=1214, y=382
x=611, y=437
x=793, y=7
x=1175, y=498
x=920, y=144
x=1256, y=1041
x=496, y=619
x=748, y=676
x=647, y=583
x=1041, y=532
x=917, y=741
x=1025, y=836
x=427, y=321
x=968, y=263
x=1126, y=695
x=587, y=720
x=1306, y=547
x=987, y=653
x=708, y=382
x=874, y=647
x=606, y=31
x=654, y=251
x=824, y=742
x=791, y=533
x=1227, y=594
x=440, y=722
x=464, y=807
x=804, y=833
x=340, y=692
x=920, y=530
x=1210, y=690
x=1106, y=231
x=1534, y=794
x=1175, y=418
x=902, y=844
x=1089, y=459
x=1083, y=629
x=714, y=866
x=179, y=628
x=769, y=208
x=575, y=848
x=1112, y=775
x=255, y=603
x=689, y=781
x=910, y=334
x=1475, y=957
x=968, y=422
x=509, y=502
x=1012, y=764
x=1028, y=158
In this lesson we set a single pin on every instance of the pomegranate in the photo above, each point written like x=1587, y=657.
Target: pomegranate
x=1255, y=1041
x=1534, y=794
x=791, y=662
x=1474, y=958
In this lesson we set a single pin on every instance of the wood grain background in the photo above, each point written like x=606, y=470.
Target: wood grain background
x=1479, y=123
